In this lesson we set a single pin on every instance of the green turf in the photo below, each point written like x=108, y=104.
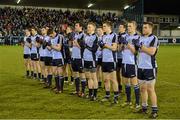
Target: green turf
x=25, y=98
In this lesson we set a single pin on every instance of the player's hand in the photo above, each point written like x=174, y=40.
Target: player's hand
x=101, y=44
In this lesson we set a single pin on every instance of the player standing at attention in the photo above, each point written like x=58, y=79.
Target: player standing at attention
x=57, y=59
x=122, y=34
x=109, y=48
x=77, y=59
x=99, y=57
x=89, y=57
x=129, y=64
x=27, y=51
x=147, y=68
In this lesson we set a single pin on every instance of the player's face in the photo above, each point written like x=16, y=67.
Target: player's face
x=90, y=28
x=33, y=31
x=68, y=30
x=122, y=28
x=77, y=27
x=43, y=31
x=131, y=28
x=27, y=32
x=100, y=31
x=147, y=29
x=106, y=28
x=52, y=35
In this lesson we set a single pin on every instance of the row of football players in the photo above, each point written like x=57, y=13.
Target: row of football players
x=125, y=54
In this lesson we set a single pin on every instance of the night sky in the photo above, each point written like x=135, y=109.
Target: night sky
x=162, y=7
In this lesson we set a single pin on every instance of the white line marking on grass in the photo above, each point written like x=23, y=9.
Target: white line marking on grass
x=169, y=83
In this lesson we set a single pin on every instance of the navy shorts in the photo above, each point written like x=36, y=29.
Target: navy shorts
x=128, y=70
x=42, y=59
x=89, y=64
x=146, y=74
x=99, y=61
x=34, y=57
x=27, y=56
x=77, y=65
x=57, y=62
x=108, y=66
x=48, y=61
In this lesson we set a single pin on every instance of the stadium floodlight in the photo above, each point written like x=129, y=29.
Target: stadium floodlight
x=90, y=5
x=178, y=27
x=126, y=7
x=18, y=1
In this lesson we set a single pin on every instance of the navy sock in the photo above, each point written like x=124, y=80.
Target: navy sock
x=99, y=84
x=35, y=75
x=57, y=82
x=107, y=94
x=116, y=94
x=120, y=88
x=61, y=78
x=49, y=80
x=137, y=93
x=154, y=109
x=65, y=78
x=42, y=76
x=83, y=85
x=27, y=73
x=39, y=75
x=77, y=82
x=90, y=92
x=32, y=73
x=95, y=93
x=72, y=79
x=128, y=93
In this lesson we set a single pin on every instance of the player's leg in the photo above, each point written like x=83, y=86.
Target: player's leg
x=95, y=83
x=134, y=82
x=144, y=95
x=153, y=97
x=90, y=83
x=107, y=78
x=115, y=86
x=65, y=73
x=28, y=68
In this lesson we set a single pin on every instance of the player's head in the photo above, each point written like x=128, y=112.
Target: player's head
x=91, y=27
x=51, y=32
x=69, y=29
x=27, y=32
x=33, y=31
x=44, y=31
x=122, y=27
x=147, y=28
x=78, y=26
x=99, y=31
x=131, y=27
x=107, y=26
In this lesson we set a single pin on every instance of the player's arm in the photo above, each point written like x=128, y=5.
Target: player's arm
x=131, y=48
x=113, y=46
x=151, y=50
x=59, y=45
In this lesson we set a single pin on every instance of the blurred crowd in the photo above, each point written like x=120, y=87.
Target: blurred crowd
x=13, y=20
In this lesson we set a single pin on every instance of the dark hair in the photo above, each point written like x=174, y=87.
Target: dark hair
x=149, y=23
x=50, y=31
x=99, y=27
x=108, y=23
x=80, y=23
x=124, y=24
